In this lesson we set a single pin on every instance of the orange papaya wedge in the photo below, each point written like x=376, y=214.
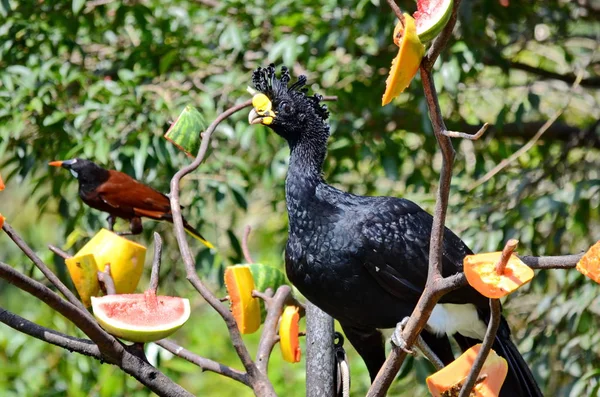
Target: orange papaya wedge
x=244, y=307
x=589, y=264
x=407, y=62
x=449, y=380
x=1, y=221
x=1, y=184
x=288, y=335
x=481, y=274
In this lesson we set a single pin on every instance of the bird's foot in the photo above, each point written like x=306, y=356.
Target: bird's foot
x=397, y=338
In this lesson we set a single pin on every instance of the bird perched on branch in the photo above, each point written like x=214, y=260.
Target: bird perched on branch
x=364, y=260
x=121, y=196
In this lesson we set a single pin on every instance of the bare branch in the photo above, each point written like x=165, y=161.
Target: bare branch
x=429, y=353
x=59, y=252
x=204, y=363
x=71, y=343
x=397, y=11
x=508, y=250
x=269, y=337
x=245, y=249
x=43, y=268
x=106, y=281
x=486, y=346
x=552, y=262
x=464, y=135
x=156, y=261
x=106, y=342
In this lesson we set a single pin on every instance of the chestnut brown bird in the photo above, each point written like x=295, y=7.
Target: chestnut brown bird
x=121, y=196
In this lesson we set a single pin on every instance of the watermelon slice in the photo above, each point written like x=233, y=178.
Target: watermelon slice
x=141, y=317
x=431, y=17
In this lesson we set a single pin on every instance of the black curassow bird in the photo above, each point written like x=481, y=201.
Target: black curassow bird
x=121, y=196
x=364, y=260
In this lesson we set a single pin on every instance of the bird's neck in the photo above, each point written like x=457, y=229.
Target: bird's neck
x=90, y=179
x=306, y=165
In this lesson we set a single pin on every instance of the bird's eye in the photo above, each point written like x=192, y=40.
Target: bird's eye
x=285, y=107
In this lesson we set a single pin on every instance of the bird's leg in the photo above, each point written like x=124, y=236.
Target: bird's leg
x=397, y=338
x=111, y=222
x=135, y=227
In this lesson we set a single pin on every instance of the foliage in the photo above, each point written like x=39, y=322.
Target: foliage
x=103, y=79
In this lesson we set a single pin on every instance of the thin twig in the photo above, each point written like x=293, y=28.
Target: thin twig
x=204, y=363
x=429, y=353
x=464, y=135
x=43, y=268
x=106, y=281
x=245, y=249
x=156, y=261
x=397, y=11
x=486, y=346
x=71, y=343
x=59, y=252
x=531, y=143
x=507, y=252
x=269, y=338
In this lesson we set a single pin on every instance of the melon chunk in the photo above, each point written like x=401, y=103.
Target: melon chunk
x=141, y=317
x=288, y=335
x=407, y=62
x=83, y=271
x=481, y=274
x=589, y=264
x=244, y=307
x=449, y=380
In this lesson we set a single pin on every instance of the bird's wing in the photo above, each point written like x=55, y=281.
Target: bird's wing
x=396, y=250
x=124, y=192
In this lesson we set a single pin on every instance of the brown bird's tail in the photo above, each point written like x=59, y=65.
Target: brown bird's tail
x=195, y=234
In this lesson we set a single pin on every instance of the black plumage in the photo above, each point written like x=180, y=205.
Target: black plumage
x=364, y=260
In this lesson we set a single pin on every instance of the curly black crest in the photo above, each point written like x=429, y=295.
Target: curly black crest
x=266, y=81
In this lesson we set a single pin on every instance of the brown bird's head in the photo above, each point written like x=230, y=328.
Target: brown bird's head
x=85, y=171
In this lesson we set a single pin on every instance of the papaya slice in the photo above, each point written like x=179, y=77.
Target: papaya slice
x=407, y=62
x=126, y=258
x=288, y=335
x=244, y=307
x=481, y=274
x=265, y=276
x=449, y=380
x=589, y=264
x=83, y=270
x=1, y=184
x=1, y=221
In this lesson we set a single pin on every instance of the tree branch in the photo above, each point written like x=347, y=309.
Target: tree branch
x=43, y=268
x=156, y=261
x=71, y=343
x=204, y=363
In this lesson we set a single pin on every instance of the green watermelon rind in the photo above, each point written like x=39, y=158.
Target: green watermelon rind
x=136, y=333
x=185, y=131
x=266, y=276
x=433, y=29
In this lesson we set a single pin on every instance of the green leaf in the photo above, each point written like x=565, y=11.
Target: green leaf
x=77, y=5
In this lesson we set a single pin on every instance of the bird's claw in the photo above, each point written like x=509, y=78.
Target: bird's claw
x=397, y=338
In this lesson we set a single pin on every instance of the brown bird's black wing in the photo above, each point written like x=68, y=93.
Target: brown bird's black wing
x=130, y=196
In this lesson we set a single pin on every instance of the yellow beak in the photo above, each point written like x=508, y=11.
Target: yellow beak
x=261, y=113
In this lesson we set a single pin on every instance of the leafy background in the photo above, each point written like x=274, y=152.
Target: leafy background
x=102, y=79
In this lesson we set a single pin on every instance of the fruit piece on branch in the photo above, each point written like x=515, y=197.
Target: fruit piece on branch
x=83, y=271
x=481, y=274
x=449, y=380
x=431, y=17
x=1, y=221
x=265, y=277
x=589, y=264
x=141, y=317
x=244, y=307
x=406, y=64
x=288, y=335
x=185, y=131
x=1, y=184
x=126, y=258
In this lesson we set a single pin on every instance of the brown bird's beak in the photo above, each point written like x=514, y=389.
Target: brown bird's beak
x=57, y=163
